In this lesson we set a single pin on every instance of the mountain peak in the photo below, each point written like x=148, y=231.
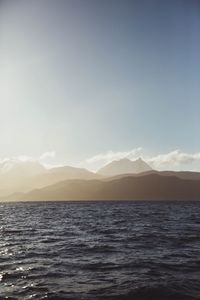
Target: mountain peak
x=125, y=166
x=139, y=159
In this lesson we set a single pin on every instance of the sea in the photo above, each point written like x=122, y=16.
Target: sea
x=107, y=250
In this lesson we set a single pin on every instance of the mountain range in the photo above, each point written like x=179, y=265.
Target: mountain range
x=26, y=176
x=118, y=180
x=146, y=187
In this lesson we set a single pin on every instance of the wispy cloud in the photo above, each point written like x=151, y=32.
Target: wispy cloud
x=44, y=159
x=175, y=159
x=101, y=159
x=110, y=155
x=47, y=155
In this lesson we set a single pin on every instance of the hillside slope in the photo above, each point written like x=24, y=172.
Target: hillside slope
x=147, y=187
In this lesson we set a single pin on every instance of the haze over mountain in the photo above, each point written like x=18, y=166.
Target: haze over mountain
x=15, y=175
x=23, y=176
x=16, y=167
x=57, y=174
x=146, y=187
x=30, y=180
x=124, y=166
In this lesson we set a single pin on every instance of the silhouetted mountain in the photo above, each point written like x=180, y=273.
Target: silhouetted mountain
x=124, y=166
x=15, y=175
x=146, y=187
x=62, y=173
x=188, y=175
x=29, y=180
x=26, y=176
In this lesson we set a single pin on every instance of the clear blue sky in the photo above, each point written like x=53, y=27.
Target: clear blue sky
x=82, y=77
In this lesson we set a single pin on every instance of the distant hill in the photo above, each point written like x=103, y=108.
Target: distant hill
x=188, y=175
x=146, y=187
x=15, y=175
x=26, y=176
x=124, y=166
x=123, y=179
x=58, y=174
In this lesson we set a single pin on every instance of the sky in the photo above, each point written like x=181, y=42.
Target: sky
x=83, y=82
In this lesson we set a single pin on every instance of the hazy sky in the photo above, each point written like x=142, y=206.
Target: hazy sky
x=82, y=77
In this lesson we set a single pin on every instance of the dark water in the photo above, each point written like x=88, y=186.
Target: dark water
x=114, y=250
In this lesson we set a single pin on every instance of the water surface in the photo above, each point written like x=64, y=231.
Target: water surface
x=100, y=250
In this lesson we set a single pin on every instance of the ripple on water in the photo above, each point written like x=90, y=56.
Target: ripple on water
x=121, y=250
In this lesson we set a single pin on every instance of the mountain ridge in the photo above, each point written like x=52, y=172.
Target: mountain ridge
x=124, y=166
x=64, y=179
x=146, y=187
x=19, y=178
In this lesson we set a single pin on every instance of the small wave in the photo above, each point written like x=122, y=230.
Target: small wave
x=101, y=249
x=153, y=293
x=100, y=252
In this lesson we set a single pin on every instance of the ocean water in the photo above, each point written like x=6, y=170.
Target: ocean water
x=100, y=250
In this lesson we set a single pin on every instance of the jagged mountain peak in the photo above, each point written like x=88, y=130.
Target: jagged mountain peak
x=125, y=166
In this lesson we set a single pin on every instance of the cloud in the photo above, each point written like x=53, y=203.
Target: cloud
x=25, y=158
x=110, y=155
x=8, y=163
x=21, y=158
x=47, y=155
x=175, y=159
x=99, y=160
